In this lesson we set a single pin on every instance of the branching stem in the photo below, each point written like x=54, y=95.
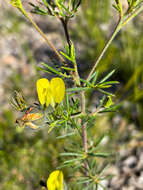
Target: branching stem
x=117, y=29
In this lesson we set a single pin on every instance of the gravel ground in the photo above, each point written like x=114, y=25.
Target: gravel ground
x=129, y=170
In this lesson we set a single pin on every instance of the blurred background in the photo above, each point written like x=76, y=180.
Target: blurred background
x=26, y=157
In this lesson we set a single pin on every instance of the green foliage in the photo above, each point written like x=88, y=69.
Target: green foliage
x=133, y=4
x=71, y=121
x=60, y=8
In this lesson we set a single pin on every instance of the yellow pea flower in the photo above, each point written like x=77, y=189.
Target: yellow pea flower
x=55, y=181
x=50, y=92
x=42, y=87
x=58, y=89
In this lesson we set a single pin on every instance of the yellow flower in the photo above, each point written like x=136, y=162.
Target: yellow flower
x=50, y=92
x=55, y=181
x=16, y=3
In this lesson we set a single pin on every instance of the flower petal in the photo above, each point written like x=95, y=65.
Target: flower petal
x=55, y=181
x=58, y=89
x=43, y=86
x=49, y=98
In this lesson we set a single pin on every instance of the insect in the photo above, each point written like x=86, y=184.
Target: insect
x=29, y=119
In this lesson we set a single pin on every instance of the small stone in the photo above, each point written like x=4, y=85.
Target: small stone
x=117, y=182
x=117, y=119
x=131, y=162
x=140, y=181
x=140, y=163
x=123, y=153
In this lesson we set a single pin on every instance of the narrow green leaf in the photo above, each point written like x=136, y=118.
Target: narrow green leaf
x=102, y=155
x=103, y=86
x=53, y=71
x=109, y=82
x=74, y=4
x=78, y=4
x=72, y=52
x=67, y=49
x=116, y=7
x=106, y=77
x=105, y=92
x=77, y=114
x=77, y=89
x=50, y=68
x=48, y=7
x=95, y=78
x=89, y=187
x=41, y=69
x=45, y=3
x=67, y=68
x=111, y=109
x=84, y=181
x=66, y=9
x=82, y=178
x=71, y=154
x=73, y=160
x=106, y=84
x=102, y=101
x=99, y=139
x=67, y=102
x=86, y=82
x=103, y=169
x=38, y=10
x=66, y=135
x=66, y=56
x=94, y=75
x=63, y=166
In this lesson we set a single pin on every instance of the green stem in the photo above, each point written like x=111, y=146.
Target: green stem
x=43, y=35
x=121, y=9
x=117, y=29
x=84, y=133
x=83, y=103
x=84, y=139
